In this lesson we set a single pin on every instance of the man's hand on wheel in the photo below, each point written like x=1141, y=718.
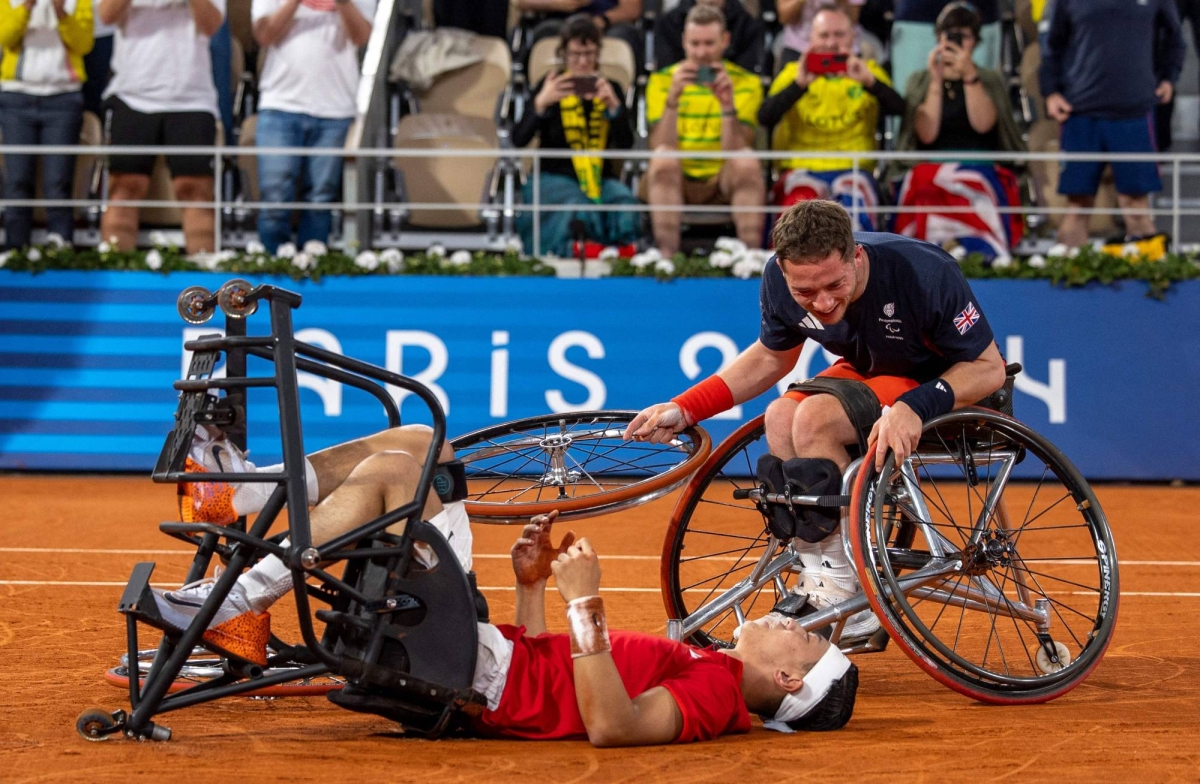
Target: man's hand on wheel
x=657, y=424
x=899, y=430
x=533, y=553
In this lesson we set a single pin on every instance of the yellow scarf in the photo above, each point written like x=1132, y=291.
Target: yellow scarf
x=585, y=133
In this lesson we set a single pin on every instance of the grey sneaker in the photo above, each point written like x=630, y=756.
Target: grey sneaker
x=236, y=630
x=823, y=593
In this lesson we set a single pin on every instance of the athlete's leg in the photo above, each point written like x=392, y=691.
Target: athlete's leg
x=333, y=465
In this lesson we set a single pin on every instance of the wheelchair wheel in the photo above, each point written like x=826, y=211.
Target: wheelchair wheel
x=1008, y=591
x=577, y=463
x=714, y=540
x=202, y=666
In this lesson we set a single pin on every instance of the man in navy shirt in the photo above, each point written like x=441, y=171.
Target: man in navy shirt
x=1105, y=65
x=913, y=340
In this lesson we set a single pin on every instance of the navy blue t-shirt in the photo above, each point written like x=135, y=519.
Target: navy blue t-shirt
x=916, y=317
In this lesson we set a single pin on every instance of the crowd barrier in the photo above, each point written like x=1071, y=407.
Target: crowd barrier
x=87, y=359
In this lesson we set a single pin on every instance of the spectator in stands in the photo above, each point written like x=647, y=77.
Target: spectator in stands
x=829, y=100
x=306, y=99
x=161, y=93
x=797, y=16
x=614, y=18
x=96, y=66
x=578, y=109
x=44, y=42
x=703, y=103
x=1102, y=78
x=914, y=33
x=745, y=45
x=956, y=105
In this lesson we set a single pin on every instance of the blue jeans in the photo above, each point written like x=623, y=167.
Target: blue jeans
x=35, y=119
x=284, y=178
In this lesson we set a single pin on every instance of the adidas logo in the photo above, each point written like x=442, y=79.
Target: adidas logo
x=811, y=323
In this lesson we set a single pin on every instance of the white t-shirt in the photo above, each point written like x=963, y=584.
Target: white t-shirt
x=161, y=61
x=313, y=69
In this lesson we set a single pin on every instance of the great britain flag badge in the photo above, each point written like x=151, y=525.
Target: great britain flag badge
x=965, y=320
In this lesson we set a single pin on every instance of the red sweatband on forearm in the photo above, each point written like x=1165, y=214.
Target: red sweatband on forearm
x=708, y=398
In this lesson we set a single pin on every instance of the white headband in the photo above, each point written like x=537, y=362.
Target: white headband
x=832, y=665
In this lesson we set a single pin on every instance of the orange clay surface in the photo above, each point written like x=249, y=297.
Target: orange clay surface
x=67, y=545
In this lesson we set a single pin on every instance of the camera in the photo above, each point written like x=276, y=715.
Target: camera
x=706, y=74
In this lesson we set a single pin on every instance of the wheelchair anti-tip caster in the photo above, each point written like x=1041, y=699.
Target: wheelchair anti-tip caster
x=1043, y=658
x=196, y=304
x=96, y=724
x=233, y=299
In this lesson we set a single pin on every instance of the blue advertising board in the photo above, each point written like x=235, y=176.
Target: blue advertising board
x=87, y=360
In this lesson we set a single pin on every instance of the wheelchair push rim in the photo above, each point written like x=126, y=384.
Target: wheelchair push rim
x=203, y=666
x=1018, y=559
x=577, y=463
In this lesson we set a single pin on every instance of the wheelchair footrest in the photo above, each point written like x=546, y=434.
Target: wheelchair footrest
x=138, y=600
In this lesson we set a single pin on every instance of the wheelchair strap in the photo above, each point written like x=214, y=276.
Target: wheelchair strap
x=859, y=402
x=450, y=481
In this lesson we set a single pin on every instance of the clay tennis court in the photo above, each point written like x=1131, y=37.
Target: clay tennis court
x=68, y=543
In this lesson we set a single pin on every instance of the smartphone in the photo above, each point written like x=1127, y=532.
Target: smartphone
x=706, y=74
x=583, y=85
x=821, y=63
x=955, y=37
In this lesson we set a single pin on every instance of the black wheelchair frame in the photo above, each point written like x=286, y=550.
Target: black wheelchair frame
x=377, y=607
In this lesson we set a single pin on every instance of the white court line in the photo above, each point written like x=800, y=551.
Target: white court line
x=99, y=584
x=506, y=556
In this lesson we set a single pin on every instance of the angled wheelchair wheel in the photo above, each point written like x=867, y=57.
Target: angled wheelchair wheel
x=202, y=667
x=1008, y=590
x=577, y=463
x=714, y=541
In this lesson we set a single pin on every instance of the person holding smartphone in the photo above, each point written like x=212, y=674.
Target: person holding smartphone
x=703, y=103
x=955, y=105
x=576, y=108
x=829, y=100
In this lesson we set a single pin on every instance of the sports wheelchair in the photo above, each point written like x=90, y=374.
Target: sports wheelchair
x=985, y=555
x=399, y=636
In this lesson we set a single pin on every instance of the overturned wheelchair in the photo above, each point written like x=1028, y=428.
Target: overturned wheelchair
x=400, y=621
x=985, y=555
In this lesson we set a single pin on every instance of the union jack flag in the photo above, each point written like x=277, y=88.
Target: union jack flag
x=965, y=320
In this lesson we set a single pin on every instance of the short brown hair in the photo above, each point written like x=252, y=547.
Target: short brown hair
x=704, y=15
x=581, y=28
x=811, y=230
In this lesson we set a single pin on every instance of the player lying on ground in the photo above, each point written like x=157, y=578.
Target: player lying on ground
x=541, y=685
x=913, y=340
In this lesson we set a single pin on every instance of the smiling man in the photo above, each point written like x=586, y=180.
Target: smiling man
x=913, y=342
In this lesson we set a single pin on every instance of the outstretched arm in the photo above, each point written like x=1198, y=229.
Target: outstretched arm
x=611, y=717
x=532, y=556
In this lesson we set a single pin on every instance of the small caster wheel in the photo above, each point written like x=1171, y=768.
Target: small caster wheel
x=232, y=297
x=195, y=304
x=95, y=724
x=1043, y=658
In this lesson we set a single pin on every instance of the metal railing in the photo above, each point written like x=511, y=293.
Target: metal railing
x=509, y=164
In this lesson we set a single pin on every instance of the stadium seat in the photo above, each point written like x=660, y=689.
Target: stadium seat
x=446, y=178
x=475, y=90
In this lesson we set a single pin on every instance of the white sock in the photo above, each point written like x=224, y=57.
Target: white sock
x=835, y=565
x=250, y=497
x=810, y=555
x=266, y=582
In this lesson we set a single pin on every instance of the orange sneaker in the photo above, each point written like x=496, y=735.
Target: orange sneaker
x=211, y=502
x=236, y=630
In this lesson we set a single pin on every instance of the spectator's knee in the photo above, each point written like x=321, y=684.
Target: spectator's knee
x=189, y=188
x=745, y=172
x=128, y=187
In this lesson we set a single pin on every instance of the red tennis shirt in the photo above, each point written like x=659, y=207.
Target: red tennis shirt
x=539, y=695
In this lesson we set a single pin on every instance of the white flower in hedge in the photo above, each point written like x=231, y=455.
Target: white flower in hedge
x=958, y=252
x=436, y=251
x=154, y=259
x=104, y=247
x=393, y=258
x=664, y=267
x=609, y=253
x=1130, y=249
x=34, y=255
x=286, y=251
x=1037, y=261
x=720, y=259
x=514, y=244
x=367, y=260
x=55, y=240
x=303, y=261
x=1072, y=253
x=746, y=268
x=1058, y=249
x=460, y=258
x=255, y=248
x=646, y=258
x=731, y=245
x=315, y=248
x=226, y=255
x=158, y=239
x=1002, y=261
x=4, y=257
